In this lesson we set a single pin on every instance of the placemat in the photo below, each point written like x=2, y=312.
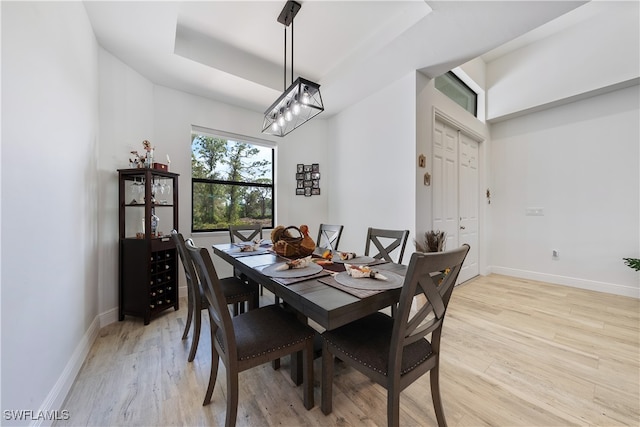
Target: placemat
x=291, y=280
x=236, y=253
x=272, y=271
x=358, y=260
x=338, y=267
x=360, y=293
x=394, y=280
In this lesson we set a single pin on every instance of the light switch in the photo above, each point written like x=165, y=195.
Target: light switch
x=534, y=212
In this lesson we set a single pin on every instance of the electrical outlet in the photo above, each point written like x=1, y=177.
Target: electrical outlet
x=555, y=254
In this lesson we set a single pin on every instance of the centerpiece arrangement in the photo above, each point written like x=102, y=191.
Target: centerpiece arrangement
x=292, y=242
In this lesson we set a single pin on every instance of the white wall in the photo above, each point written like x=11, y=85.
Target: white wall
x=597, y=53
x=372, y=164
x=49, y=200
x=126, y=119
x=580, y=163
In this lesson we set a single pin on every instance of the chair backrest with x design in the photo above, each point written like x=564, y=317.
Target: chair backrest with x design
x=329, y=236
x=245, y=233
x=385, y=247
x=433, y=275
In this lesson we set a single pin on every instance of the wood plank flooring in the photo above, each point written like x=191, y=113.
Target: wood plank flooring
x=515, y=353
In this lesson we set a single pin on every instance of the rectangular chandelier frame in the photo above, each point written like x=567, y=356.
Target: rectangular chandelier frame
x=298, y=104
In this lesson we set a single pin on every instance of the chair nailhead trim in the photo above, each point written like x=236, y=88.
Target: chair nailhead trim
x=373, y=368
x=253, y=356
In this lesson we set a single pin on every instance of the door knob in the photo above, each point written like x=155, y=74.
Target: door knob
x=462, y=227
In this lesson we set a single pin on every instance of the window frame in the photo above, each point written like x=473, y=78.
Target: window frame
x=452, y=76
x=233, y=138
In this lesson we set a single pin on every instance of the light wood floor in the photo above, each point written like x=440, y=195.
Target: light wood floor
x=515, y=353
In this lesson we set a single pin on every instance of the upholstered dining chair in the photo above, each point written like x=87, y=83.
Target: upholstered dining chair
x=386, y=247
x=235, y=291
x=250, y=339
x=395, y=351
x=329, y=236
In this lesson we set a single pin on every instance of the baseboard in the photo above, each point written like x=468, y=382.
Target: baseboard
x=53, y=404
x=592, y=285
x=110, y=316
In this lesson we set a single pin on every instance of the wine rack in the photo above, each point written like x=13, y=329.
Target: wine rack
x=148, y=267
x=162, y=283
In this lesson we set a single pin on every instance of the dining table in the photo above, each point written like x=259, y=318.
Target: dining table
x=324, y=295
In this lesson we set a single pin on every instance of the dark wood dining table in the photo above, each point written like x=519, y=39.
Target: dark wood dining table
x=317, y=297
x=328, y=306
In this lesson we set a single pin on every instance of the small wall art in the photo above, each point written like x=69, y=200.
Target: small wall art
x=308, y=179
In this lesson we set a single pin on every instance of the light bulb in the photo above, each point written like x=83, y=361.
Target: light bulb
x=288, y=115
x=305, y=98
x=275, y=127
x=281, y=120
x=296, y=108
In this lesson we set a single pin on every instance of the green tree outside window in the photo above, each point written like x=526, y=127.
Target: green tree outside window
x=232, y=183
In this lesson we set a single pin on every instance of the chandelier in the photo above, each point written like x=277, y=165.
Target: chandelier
x=301, y=101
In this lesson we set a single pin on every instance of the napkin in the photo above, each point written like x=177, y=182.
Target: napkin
x=296, y=263
x=358, y=272
x=251, y=247
x=347, y=255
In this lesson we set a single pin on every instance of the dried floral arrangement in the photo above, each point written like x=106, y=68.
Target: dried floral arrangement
x=434, y=241
x=142, y=160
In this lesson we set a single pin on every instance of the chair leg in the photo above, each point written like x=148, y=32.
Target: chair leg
x=197, y=322
x=434, y=376
x=327, y=379
x=232, y=398
x=187, y=325
x=213, y=373
x=393, y=408
x=307, y=365
x=235, y=309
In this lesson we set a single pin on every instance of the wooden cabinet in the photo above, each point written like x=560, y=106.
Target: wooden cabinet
x=148, y=263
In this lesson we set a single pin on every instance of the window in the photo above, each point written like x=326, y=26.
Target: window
x=458, y=91
x=232, y=182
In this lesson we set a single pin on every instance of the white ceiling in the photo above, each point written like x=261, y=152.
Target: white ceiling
x=233, y=51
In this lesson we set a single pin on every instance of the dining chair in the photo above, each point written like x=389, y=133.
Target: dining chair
x=249, y=339
x=235, y=291
x=329, y=236
x=245, y=233
x=386, y=247
x=395, y=351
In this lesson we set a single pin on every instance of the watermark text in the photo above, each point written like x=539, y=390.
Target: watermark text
x=31, y=415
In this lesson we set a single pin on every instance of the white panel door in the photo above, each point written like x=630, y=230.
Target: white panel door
x=468, y=205
x=455, y=189
x=445, y=182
